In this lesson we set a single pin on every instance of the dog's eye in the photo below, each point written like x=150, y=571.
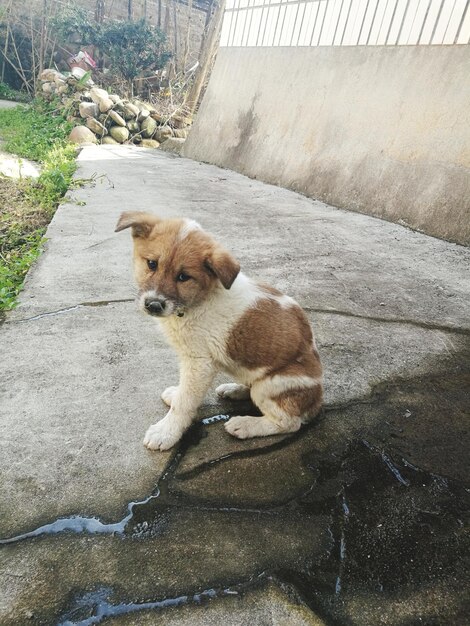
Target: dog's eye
x=152, y=265
x=182, y=278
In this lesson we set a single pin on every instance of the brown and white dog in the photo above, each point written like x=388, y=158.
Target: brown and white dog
x=217, y=319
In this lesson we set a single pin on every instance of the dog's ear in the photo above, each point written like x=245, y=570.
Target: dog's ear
x=142, y=223
x=222, y=264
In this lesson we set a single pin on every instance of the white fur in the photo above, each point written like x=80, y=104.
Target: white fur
x=285, y=301
x=188, y=227
x=233, y=391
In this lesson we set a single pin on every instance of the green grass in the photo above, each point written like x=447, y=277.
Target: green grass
x=32, y=131
x=27, y=205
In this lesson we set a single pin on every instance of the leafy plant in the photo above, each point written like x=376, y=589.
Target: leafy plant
x=129, y=48
x=133, y=47
x=7, y=93
x=14, y=267
x=73, y=24
x=56, y=176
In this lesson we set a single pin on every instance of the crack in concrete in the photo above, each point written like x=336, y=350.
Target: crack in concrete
x=68, y=309
x=393, y=320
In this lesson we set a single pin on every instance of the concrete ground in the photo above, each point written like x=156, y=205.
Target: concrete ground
x=357, y=519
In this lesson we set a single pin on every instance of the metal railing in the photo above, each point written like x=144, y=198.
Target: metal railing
x=345, y=22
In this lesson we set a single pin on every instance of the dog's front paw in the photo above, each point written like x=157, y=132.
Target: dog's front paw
x=161, y=436
x=168, y=395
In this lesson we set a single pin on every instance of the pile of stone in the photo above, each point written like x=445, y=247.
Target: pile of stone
x=101, y=117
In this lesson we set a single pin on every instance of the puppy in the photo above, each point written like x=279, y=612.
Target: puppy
x=217, y=319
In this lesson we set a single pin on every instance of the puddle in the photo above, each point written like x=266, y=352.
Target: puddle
x=92, y=608
x=81, y=525
x=394, y=530
x=397, y=530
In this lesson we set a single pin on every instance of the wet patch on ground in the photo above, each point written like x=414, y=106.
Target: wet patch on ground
x=363, y=514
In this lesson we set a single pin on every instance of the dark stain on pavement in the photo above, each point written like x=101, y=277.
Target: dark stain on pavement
x=372, y=510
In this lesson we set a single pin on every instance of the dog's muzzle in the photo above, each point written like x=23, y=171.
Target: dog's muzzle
x=159, y=306
x=155, y=306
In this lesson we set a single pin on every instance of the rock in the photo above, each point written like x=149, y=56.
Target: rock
x=133, y=126
x=115, y=98
x=49, y=75
x=82, y=135
x=132, y=107
x=181, y=133
x=48, y=87
x=173, y=144
x=62, y=89
x=97, y=94
x=114, y=115
x=88, y=109
x=156, y=116
x=126, y=113
x=96, y=127
x=143, y=115
x=148, y=127
x=105, y=104
x=149, y=143
x=136, y=138
x=59, y=81
x=119, y=133
x=162, y=133
x=109, y=141
x=142, y=105
x=104, y=119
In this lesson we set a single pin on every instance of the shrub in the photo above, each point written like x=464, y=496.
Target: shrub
x=130, y=48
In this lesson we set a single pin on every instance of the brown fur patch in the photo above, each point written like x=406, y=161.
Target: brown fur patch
x=305, y=364
x=269, y=335
x=301, y=402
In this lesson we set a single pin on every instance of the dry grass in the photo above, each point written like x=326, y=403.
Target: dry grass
x=19, y=218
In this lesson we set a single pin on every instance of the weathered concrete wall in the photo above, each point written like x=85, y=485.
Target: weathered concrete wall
x=380, y=130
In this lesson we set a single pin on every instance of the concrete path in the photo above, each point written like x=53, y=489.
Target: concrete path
x=358, y=519
x=9, y=104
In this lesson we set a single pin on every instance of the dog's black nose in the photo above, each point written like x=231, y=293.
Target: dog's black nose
x=154, y=307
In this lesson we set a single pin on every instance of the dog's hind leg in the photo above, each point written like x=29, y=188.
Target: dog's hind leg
x=233, y=391
x=168, y=395
x=285, y=406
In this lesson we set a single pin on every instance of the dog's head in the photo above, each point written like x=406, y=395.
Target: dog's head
x=176, y=264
